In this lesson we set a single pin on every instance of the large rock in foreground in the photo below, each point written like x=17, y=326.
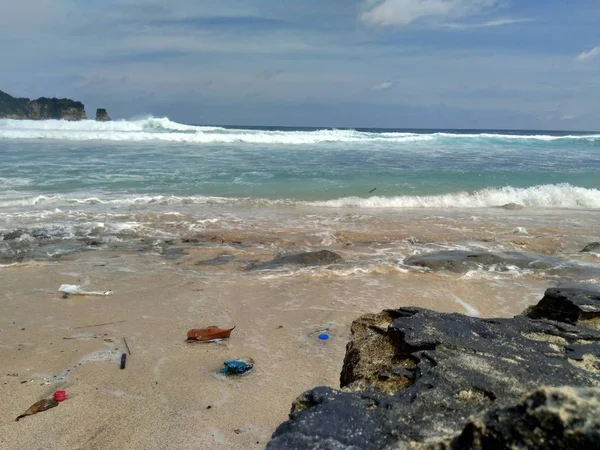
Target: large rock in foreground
x=549, y=418
x=414, y=378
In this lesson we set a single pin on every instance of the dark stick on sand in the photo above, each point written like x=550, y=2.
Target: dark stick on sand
x=372, y=190
x=100, y=324
x=126, y=345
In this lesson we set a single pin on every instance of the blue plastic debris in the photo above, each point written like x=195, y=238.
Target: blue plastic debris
x=237, y=366
x=324, y=336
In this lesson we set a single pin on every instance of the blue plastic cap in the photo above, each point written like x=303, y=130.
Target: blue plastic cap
x=323, y=337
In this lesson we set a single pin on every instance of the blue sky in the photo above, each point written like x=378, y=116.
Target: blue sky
x=357, y=63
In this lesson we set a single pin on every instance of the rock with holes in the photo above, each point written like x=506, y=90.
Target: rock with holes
x=413, y=378
x=575, y=304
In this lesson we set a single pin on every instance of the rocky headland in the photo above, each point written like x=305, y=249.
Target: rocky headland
x=418, y=379
x=44, y=108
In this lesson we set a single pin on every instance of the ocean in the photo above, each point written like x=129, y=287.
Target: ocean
x=155, y=177
x=284, y=234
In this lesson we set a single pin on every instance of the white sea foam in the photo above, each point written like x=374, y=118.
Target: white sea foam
x=548, y=195
x=470, y=309
x=164, y=129
x=542, y=196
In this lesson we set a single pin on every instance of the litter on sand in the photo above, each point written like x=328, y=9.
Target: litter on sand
x=237, y=366
x=211, y=333
x=37, y=407
x=74, y=289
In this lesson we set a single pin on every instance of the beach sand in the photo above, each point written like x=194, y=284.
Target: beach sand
x=170, y=395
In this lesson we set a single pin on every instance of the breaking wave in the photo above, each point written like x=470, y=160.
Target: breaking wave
x=164, y=129
x=541, y=196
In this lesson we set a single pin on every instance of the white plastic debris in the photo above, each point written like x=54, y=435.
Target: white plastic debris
x=74, y=289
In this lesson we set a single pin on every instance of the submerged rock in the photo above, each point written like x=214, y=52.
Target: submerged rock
x=594, y=247
x=512, y=206
x=414, y=378
x=11, y=235
x=319, y=258
x=462, y=261
x=220, y=260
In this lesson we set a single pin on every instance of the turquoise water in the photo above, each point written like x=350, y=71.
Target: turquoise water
x=61, y=162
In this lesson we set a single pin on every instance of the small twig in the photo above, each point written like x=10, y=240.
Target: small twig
x=100, y=324
x=372, y=190
x=126, y=345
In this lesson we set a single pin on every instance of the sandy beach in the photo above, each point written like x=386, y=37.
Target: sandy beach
x=170, y=394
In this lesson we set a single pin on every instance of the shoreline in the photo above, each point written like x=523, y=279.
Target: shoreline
x=162, y=396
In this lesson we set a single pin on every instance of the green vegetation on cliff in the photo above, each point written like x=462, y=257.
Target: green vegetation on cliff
x=12, y=106
x=41, y=109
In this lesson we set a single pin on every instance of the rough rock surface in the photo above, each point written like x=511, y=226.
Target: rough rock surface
x=102, y=115
x=571, y=304
x=461, y=261
x=414, y=378
x=319, y=258
x=41, y=109
x=549, y=418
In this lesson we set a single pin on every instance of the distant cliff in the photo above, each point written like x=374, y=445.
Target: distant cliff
x=41, y=109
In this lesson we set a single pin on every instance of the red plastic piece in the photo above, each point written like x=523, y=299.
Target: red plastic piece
x=60, y=396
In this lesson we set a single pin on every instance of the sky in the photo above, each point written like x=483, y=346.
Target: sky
x=501, y=64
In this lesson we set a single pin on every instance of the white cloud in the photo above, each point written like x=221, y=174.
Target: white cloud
x=405, y=12
x=590, y=55
x=489, y=23
x=383, y=86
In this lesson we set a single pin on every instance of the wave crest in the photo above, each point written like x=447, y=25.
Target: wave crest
x=164, y=129
x=546, y=196
x=541, y=196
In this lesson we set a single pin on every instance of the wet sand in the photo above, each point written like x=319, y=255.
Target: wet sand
x=170, y=395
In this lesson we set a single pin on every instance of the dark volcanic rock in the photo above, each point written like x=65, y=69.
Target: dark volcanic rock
x=319, y=258
x=412, y=378
x=102, y=115
x=594, y=247
x=548, y=419
x=570, y=304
